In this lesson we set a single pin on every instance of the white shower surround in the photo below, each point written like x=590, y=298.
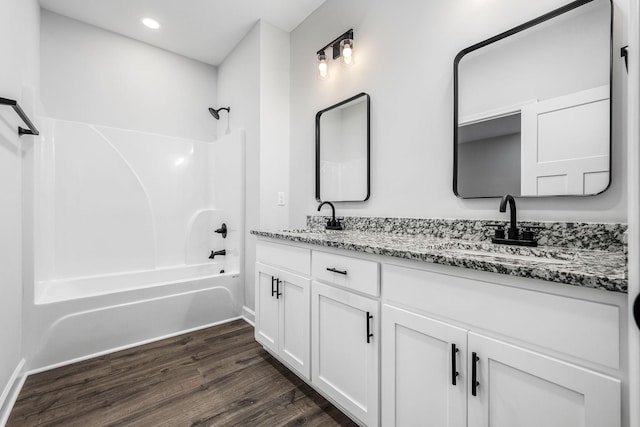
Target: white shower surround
x=124, y=225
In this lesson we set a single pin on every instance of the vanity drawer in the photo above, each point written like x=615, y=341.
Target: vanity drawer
x=289, y=257
x=353, y=273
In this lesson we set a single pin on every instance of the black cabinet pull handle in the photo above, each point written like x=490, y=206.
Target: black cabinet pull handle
x=636, y=310
x=278, y=293
x=273, y=289
x=369, y=333
x=454, y=371
x=474, y=373
x=344, y=272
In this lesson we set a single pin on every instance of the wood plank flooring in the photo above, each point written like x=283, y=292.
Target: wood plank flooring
x=218, y=376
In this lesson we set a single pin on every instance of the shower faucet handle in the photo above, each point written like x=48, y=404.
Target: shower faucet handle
x=222, y=230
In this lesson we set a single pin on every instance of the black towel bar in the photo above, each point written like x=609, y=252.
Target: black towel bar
x=16, y=107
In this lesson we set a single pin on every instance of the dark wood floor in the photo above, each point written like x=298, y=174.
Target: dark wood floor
x=214, y=377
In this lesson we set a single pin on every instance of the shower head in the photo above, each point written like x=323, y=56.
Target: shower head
x=215, y=112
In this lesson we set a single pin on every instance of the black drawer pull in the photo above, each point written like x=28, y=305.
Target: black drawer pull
x=278, y=293
x=337, y=271
x=273, y=289
x=369, y=333
x=474, y=373
x=454, y=371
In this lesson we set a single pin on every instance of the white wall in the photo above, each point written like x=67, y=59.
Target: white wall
x=95, y=76
x=404, y=60
x=19, y=39
x=274, y=125
x=254, y=81
x=239, y=88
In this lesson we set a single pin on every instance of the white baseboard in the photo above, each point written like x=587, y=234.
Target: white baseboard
x=248, y=315
x=11, y=392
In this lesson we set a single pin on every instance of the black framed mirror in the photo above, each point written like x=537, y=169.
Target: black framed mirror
x=532, y=107
x=343, y=151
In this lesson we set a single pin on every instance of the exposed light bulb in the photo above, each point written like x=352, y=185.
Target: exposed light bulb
x=151, y=23
x=346, y=51
x=323, y=67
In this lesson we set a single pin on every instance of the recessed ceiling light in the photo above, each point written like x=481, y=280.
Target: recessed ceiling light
x=151, y=23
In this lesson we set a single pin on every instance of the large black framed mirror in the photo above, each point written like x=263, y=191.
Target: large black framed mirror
x=532, y=107
x=343, y=151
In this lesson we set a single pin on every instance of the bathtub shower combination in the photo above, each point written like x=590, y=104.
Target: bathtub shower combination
x=125, y=224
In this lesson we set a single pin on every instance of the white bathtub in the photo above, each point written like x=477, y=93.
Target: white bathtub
x=84, y=287
x=79, y=318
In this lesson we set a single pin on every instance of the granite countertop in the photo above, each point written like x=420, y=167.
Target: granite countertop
x=600, y=269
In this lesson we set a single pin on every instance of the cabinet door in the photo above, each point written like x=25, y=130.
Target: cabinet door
x=518, y=387
x=294, y=319
x=419, y=365
x=266, y=330
x=344, y=364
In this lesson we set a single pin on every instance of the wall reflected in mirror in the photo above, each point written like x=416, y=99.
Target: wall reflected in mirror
x=532, y=107
x=342, y=151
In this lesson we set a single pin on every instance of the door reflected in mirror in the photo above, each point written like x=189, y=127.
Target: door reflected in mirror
x=532, y=107
x=342, y=151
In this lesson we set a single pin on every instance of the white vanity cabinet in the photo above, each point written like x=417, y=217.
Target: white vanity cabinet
x=345, y=339
x=345, y=348
x=514, y=385
x=283, y=309
x=428, y=373
x=392, y=342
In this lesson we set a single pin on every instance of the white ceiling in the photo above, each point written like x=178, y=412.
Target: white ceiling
x=206, y=30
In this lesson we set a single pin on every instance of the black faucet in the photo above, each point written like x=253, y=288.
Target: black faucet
x=220, y=252
x=333, y=223
x=512, y=232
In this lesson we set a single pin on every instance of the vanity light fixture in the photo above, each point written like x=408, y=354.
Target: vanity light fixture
x=342, y=47
x=150, y=23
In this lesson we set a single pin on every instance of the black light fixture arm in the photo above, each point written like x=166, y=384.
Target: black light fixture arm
x=20, y=112
x=335, y=44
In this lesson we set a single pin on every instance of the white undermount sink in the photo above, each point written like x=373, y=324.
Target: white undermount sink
x=507, y=256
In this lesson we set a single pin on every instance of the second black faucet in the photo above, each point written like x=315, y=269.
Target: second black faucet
x=513, y=234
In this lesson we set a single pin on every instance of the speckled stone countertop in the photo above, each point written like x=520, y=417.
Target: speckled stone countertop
x=600, y=268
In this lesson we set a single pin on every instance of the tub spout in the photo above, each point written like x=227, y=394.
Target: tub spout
x=221, y=252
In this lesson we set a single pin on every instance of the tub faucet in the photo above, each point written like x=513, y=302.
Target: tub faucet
x=222, y=230
x=512, y=232
x=220, y=252
x=333, y=223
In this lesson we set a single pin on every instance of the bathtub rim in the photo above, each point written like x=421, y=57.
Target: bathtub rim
x=41, y=297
